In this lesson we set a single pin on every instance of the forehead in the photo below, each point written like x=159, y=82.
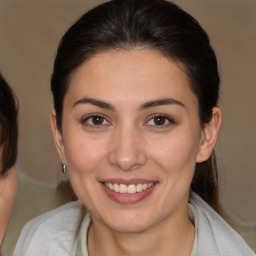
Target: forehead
x=136, y=72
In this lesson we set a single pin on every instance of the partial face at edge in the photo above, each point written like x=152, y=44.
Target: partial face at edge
x=130, y=117
x=1, y=150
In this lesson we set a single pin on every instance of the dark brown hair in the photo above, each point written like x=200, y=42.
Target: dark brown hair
x=8, y=126
x=153, y=24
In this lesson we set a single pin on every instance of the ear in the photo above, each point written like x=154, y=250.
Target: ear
x=57, y=137
x=209, y=136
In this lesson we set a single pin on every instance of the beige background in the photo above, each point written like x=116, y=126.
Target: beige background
x=29, y=35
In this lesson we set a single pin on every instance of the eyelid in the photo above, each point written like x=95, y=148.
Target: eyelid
x=89, y=116
x=167, y=117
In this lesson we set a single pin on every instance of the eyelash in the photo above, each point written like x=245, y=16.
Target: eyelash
x=88, y=121
x=85, y=121
x=167, y=121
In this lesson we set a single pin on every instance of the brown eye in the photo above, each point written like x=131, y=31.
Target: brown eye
x=95, y=120
x=159, y=120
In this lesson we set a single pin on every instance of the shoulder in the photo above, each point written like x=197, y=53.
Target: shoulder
x=215, y=236
x=55, y=232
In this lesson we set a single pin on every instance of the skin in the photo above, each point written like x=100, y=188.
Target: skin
x=8, y=189
x=128, y=143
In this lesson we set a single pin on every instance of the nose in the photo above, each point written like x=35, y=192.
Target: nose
x=127, y=151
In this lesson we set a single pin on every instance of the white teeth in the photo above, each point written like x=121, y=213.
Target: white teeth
x=139, y=188
x=150, y=185
x=144, y=186
x=130, y=189
x=116, y=188
x=123, y=188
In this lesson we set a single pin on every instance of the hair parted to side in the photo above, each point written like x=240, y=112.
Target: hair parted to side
x=8, y=126
x=158, y=25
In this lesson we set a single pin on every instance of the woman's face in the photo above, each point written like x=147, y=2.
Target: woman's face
x=131, y=137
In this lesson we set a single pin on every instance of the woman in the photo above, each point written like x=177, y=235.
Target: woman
x=8, y=154
x=135, y=121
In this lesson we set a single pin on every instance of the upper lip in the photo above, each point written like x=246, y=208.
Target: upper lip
x=128, y=181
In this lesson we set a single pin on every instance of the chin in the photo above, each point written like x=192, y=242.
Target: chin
x=128, y=223
x=129, y=227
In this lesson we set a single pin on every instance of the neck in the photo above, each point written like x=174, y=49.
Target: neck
x=173, y=236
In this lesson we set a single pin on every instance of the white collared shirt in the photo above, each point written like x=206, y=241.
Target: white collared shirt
x=57, y=233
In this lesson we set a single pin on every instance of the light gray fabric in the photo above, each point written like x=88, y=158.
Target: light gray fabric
x=56, y=233
x=53, y=233
x=33, y=199
x=215, y=236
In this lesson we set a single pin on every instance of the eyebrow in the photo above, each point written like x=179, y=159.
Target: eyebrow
x=97, y=103
x=160, y=102
x=150, y=104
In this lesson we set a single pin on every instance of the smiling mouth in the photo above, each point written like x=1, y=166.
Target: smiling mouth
x=128, y=189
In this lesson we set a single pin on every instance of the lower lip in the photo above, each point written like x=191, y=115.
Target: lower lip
x=127, y=198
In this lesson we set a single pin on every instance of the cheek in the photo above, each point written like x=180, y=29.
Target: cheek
x=84, y=155
x=176, y=153
x=84, y=158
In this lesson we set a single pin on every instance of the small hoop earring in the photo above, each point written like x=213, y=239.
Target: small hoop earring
x=64, y=169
